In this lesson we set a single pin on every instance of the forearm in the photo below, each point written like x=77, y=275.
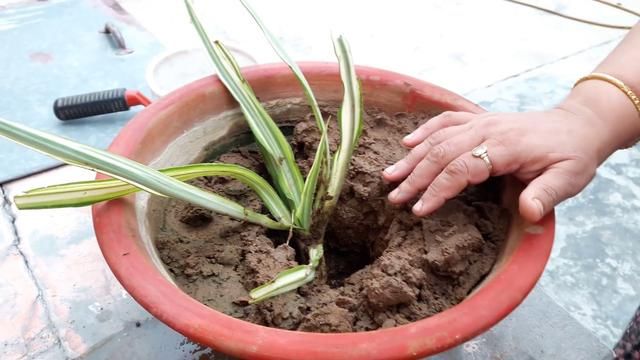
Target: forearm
x=624, y=60
x=605, y=104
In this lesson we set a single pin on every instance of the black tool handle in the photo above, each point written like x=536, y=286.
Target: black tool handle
x=90, y=104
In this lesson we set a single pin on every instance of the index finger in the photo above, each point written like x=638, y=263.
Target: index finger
x=445, y=119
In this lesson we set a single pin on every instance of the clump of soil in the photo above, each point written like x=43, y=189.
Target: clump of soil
x=385, y=267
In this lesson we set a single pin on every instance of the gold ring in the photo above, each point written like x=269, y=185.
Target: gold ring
x=481, y=152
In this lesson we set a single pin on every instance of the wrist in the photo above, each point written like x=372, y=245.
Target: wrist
x=609, y=111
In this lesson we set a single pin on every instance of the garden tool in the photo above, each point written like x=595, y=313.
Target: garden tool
x=98, y=103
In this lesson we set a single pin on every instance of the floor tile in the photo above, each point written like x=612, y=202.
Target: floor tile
x=151, y=339
x=26, y=330
x=7, y=235
x=538, y=329
x=87, y=305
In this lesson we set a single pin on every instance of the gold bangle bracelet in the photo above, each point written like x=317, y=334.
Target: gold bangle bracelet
x=615, y=82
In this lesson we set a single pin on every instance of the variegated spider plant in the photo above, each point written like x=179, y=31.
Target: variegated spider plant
x=295, y=203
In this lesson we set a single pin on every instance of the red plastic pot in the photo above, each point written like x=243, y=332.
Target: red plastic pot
x=118, y=228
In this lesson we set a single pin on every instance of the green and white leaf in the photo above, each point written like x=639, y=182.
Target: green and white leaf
x=289, y=279
x=84, y=193
x=349, y=119
x=275, y=147
x=323, y=155
x=309, y=192
x=308, y=92
x=129, y=171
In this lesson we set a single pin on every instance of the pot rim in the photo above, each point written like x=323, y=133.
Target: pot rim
x=502, y=293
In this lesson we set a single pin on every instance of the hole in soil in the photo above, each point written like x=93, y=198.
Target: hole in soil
x=342, y=255
x=342, y=261
x=278, y=237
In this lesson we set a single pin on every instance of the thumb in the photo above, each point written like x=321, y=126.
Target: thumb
x=546, y=191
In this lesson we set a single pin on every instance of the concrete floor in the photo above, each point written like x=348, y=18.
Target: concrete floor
x=59, y=299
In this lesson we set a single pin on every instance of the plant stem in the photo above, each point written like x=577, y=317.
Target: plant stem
x=315, y=236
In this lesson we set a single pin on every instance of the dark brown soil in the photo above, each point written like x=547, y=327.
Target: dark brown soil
x=385, y=267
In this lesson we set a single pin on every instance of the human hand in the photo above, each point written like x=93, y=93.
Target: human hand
x=556, y=152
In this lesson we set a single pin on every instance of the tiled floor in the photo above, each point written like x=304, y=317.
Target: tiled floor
x=59, y=299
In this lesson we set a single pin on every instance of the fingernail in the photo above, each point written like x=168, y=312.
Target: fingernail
x=408, y=137
x=417, y=208
x=394, y=194
x=538, y=204
x=390, y=169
